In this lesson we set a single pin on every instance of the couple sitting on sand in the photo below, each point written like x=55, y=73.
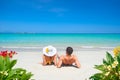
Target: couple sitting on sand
x=50, y=57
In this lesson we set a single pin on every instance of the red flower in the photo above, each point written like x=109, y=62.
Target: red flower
x=10, y=55
x=1, y=53
x=6, y=53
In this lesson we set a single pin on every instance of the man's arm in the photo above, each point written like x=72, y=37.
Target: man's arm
x=77, y=62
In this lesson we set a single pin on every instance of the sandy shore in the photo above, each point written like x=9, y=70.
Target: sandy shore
x=30, y=61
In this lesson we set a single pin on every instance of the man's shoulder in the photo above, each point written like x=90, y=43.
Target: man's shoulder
x=73, y=55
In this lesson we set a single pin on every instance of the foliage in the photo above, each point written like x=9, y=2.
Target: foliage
x=8, y=73
x=109, y=70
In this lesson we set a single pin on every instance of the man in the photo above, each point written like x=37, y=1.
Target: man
x=68, y=59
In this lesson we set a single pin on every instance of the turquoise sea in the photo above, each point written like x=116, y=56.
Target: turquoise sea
x=76, y=40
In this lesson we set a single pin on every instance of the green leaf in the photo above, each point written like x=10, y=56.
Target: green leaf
x=105, y=62
x=23, y=77
x=7, y=63
x=118, y=58
x=100, y=67
x=13, y=62
x=109, y=58
x=28, y=75
x=97, y=76
x=1, y=63
x=11, y=74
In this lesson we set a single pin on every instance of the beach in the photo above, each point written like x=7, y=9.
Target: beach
x=88, y=28
x=88, y=58
x=89, y=48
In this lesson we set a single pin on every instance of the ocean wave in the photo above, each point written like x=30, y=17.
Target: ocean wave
x=108, y=47
x=59, y=47
x=87, y=46
x=16, y=47
x=101, y=47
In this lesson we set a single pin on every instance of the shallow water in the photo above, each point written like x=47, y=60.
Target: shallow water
x=61, y=41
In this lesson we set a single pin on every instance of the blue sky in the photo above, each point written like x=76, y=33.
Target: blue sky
x=60, y=16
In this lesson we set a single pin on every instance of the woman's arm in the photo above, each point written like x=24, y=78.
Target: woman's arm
x=60, y=62
x=44, y=60
x=55, y=60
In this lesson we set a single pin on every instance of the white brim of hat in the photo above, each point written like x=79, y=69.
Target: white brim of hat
x=54, y=51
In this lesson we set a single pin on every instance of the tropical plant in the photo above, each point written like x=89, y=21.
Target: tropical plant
x=7, y=72
x=116, y=50
x=7, y=53
x=110, y=69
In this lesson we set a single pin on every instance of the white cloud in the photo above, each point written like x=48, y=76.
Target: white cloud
x=45, y=1
x=29, y=3
x=44, y=5
x=57, y=10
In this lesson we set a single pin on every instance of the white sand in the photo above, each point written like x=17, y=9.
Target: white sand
x=31, y=60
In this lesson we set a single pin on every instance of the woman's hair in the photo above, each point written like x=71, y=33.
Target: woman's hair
x=69, y=50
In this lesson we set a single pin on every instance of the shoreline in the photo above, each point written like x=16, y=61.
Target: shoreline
x=81, y=48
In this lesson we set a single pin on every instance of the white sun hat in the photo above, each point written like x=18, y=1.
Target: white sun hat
x=49, y=51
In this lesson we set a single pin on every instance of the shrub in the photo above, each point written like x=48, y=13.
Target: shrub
x=110, y=69
x=8, y=73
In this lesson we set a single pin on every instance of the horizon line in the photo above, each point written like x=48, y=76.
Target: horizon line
x=59, y=33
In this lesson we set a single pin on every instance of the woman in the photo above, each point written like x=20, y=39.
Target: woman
x=49, y=55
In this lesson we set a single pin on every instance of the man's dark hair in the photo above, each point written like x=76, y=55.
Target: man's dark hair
x=69, y=50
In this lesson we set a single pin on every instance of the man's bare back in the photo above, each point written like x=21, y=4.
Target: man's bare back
x=68, y=59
